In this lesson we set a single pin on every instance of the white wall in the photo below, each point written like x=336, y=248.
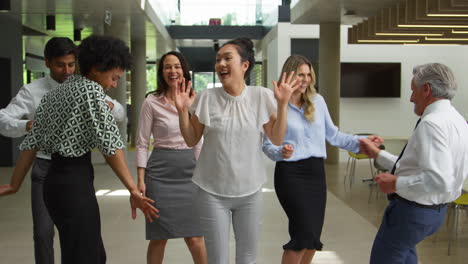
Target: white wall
x=389, y=117
x=394, y=116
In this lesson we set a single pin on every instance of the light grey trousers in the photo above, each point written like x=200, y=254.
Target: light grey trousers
x=216, y=215
x=43, y=227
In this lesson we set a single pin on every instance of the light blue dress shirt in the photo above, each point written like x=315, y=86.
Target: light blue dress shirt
x=308, y=138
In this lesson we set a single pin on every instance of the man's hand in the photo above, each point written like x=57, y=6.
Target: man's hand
x=386, y=182
x=368, y=147
x=29, y=125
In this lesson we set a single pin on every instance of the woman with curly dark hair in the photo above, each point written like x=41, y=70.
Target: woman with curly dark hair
x=72, y=120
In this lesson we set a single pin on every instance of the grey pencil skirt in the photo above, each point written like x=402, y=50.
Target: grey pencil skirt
x=168, y=180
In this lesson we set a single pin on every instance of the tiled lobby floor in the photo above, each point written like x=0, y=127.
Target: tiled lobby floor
x=350, y=224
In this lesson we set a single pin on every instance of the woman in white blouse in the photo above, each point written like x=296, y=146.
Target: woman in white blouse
x=229, y=171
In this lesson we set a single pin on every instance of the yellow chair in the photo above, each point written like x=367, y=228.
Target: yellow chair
x=351, y=166
x=459, y=204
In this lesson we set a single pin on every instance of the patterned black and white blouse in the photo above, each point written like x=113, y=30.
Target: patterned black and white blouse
x=73, y=119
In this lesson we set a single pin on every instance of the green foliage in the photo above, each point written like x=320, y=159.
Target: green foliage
x=201, y=81
x=151, y=78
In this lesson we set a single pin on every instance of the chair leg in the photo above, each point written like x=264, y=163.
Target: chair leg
x=352, y=172
x=456, y=222
x=346, y=176
x=371, y=190
x=371, y=168
x=453, y=229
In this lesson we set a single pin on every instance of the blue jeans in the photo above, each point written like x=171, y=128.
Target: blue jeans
x=403, y=227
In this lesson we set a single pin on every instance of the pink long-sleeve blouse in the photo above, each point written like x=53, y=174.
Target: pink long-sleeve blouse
x=159, y=118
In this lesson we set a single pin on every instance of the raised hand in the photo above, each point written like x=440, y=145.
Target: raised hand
x=287, y=151
x=144, y=204
x=184, y=96
x=285, y=88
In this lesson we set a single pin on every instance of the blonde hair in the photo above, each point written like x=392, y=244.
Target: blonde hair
x=292, y=64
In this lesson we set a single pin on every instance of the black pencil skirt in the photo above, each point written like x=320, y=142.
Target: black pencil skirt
x=301, y=190
x=71, y=201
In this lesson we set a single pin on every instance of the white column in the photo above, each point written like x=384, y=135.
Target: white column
x=329, y=76
x=138, y=76
x=120, y=28
x=11, y=73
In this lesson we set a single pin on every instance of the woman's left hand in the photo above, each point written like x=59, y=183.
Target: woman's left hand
x=285, y=88
x=144, y=203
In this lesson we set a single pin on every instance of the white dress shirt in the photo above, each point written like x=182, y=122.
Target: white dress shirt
x=22, y=108
x=434, y=164
x=231, y=160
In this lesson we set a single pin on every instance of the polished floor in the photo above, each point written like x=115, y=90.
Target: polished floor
x=352, y=218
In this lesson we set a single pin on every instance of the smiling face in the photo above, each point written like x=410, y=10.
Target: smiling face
x=172, y=71
x=304, y=78
x=61, y=67
x=229, y=65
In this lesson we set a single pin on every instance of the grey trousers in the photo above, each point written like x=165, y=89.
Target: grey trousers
x=216, y=215
x=43, y=227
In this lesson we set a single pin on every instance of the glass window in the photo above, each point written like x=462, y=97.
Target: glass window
x=230, y=12
x=205, y=80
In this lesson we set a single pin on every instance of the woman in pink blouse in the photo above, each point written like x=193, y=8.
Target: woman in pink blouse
x=166, y=176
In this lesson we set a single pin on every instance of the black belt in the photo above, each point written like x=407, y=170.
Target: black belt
x=432, y=206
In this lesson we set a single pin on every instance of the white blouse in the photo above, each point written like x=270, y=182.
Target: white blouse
x=231, y=162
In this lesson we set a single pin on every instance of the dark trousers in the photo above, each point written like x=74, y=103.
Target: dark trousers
x=70, y=198
x=403, y=226
x=43, y=227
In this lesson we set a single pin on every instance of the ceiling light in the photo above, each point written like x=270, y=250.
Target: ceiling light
x=459, y=32
x=447, y=15
x=50, y=22
x=410, y=34
x=77, y=34
x=5, y=5
x=447, y=39
x=388, y=40
x=432, y=26
x=433, y=44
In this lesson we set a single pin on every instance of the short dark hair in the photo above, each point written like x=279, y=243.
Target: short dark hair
x=58, y=47
x=104, y=53
x=162, y=85
x=245, y=49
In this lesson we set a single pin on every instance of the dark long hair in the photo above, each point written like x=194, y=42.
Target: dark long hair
x=162, y=85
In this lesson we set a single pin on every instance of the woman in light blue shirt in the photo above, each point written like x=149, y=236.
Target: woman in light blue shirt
x=299, y=173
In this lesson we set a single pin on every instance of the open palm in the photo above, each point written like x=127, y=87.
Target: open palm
x=285, y=88
x=184, y=96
